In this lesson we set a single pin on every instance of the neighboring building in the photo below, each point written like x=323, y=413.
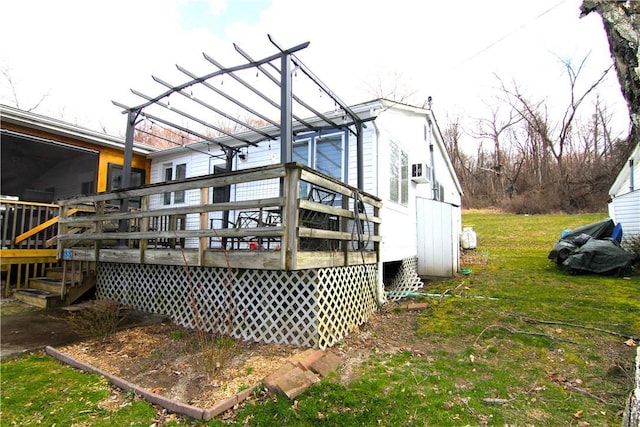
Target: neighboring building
x=405, y=164
x=624, y=204
x=45, y=159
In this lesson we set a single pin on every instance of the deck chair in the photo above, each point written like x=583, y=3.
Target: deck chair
x=318, y=220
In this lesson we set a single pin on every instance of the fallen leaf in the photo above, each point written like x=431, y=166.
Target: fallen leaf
x=630, y=343
x=472, y=358
x=578, y=414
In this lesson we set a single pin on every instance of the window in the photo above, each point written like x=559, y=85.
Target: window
x=114, y=181
x=169, y=174
x=329, y=155
x=324, y=152
x=398, y=175
x=181, y=173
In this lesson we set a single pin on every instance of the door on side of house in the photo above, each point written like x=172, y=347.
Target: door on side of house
x=437, y=242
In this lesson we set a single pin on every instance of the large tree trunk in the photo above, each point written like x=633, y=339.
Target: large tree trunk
x=622, y=25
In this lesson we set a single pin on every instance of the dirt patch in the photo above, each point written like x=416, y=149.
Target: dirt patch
x=169, y=360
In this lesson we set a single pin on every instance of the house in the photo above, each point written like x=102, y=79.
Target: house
x=43, y=160
x=405, y=163
x=624, y=203
x=280, y=231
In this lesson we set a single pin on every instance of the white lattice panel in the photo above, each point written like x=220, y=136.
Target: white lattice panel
x=406, y=280
x=308, y=308
x=346, y=299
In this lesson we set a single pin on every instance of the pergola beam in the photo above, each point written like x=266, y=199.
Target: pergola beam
x=191, y=117
x=278, y=83
x=229, y=98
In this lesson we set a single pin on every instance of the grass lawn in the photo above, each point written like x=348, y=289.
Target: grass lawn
x=517, y=342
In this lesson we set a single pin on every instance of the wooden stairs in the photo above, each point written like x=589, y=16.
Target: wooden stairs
x=49, y=291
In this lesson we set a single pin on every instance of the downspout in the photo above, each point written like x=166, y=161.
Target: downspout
x=631, y=176
x=434, y=187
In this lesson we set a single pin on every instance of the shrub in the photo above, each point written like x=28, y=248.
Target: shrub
x=98, y=318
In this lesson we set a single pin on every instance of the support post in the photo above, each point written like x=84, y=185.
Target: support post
x=360, y=154
x=123, y=226
x=286, y=133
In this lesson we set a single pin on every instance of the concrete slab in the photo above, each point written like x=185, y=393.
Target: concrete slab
x=35, y=330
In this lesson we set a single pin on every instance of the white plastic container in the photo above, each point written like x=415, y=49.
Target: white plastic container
x=468, y=238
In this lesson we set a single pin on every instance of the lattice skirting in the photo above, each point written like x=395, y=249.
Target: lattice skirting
x=406, y=280
x=306, y=308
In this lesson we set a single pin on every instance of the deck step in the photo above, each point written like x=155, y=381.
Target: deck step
x=46, y=284
x=38, y=297
x=56, y=273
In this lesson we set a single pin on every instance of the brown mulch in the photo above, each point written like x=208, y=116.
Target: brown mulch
x=169, y=360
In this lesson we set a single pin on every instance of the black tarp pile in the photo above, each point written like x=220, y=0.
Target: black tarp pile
x=593, y=248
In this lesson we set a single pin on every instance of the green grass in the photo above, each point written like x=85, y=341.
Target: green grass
x=36, y=390
x=483, y=344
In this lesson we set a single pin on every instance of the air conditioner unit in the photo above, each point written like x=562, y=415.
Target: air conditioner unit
x=420, y=173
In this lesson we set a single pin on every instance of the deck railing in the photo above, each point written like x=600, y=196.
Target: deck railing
x=281, y=217
x=28, y=237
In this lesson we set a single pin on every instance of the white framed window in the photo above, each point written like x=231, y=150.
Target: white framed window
x=181, y=173
x=169, y=172
x=324, y=152
x=398, y=175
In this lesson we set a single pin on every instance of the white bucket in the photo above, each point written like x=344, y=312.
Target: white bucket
x=468, y=239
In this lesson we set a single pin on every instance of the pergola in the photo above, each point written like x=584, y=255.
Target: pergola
x=267, y=110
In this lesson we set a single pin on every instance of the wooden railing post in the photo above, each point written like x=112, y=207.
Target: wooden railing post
x=289, y=246
x=204, y=225
x=144, y=226
x=62, y=229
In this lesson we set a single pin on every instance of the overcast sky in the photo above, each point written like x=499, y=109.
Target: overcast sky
x=83, y=54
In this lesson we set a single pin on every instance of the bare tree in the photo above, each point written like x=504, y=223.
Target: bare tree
x=6, y=73
x=495, y=128
x=391, y=86
x=557, y=137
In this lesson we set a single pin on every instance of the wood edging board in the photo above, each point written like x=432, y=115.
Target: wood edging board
x=154, y=398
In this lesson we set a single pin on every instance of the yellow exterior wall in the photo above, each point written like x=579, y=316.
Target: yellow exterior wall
x=108, y=155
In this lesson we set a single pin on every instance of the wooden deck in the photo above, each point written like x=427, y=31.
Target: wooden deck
x=279, y=217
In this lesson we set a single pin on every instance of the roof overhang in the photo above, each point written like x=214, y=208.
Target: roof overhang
x=53, y=126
